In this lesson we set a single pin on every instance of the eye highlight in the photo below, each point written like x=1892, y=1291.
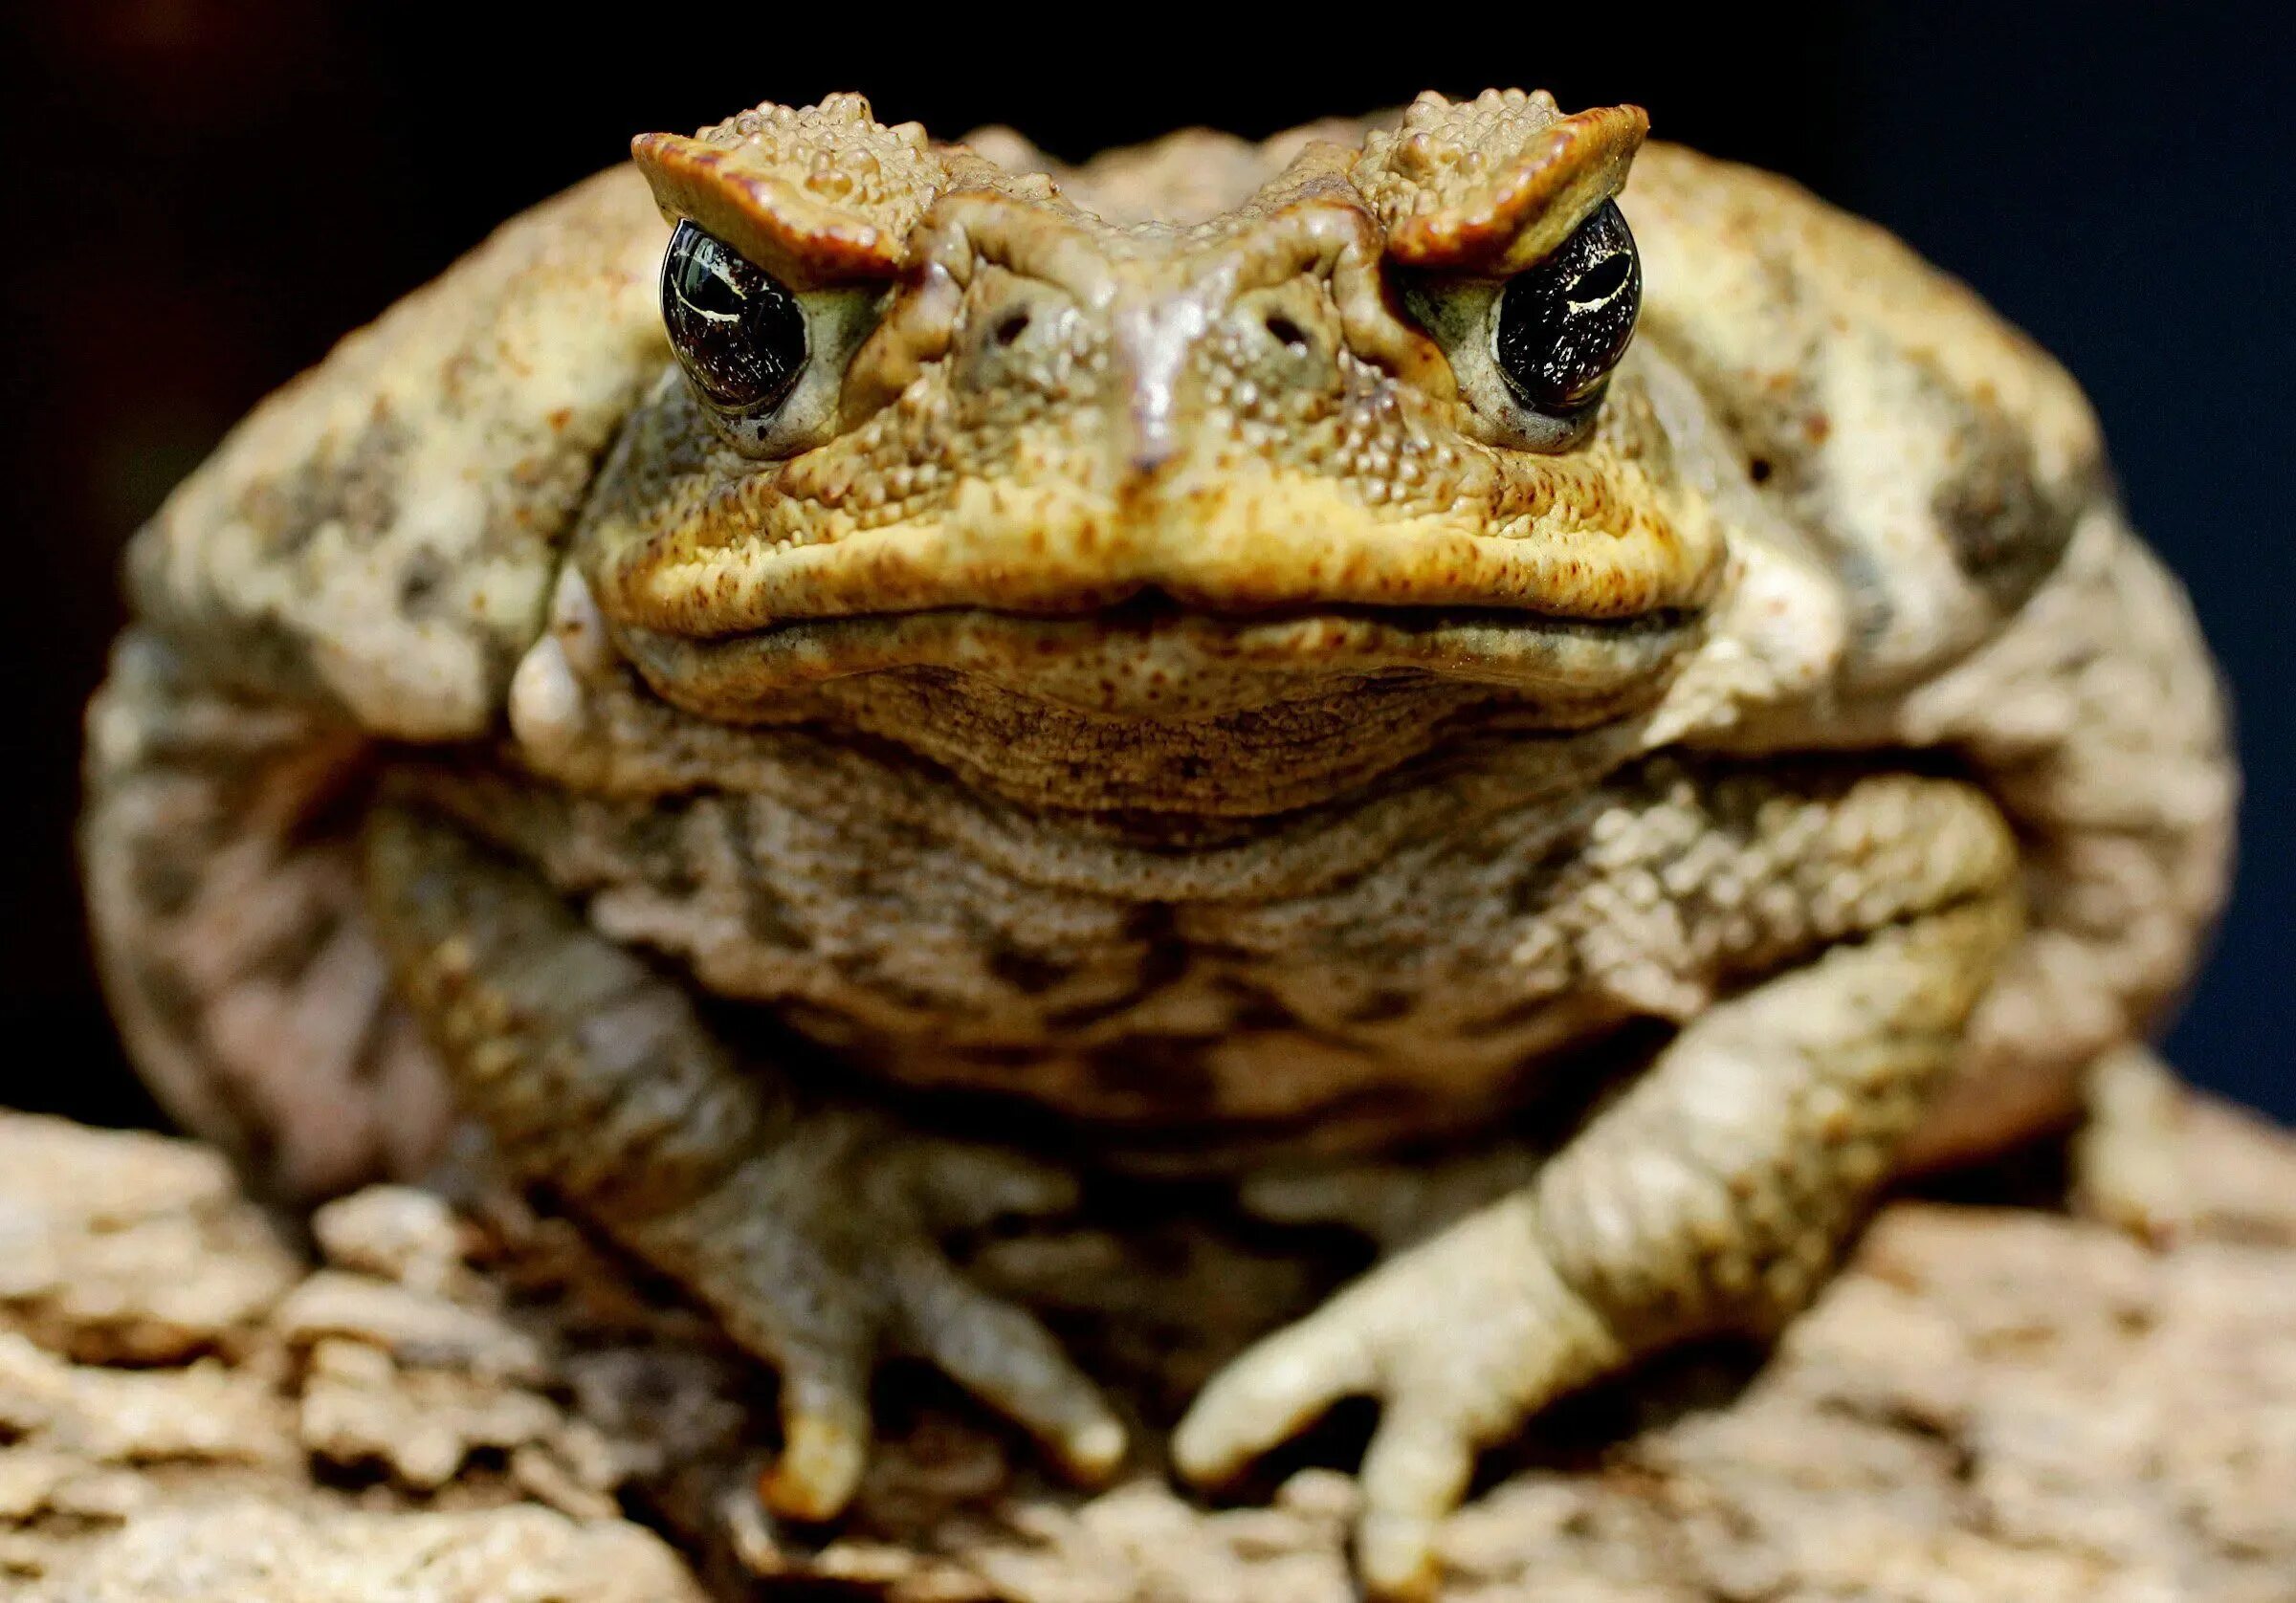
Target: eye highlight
x=1563, y=324
x=737, y=331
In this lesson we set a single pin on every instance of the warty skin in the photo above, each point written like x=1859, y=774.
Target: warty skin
x=1154, y=670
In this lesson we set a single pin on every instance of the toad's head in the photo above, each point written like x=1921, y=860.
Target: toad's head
x=956, y=443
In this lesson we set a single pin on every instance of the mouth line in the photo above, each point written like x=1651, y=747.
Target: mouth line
x=1150, y=654
x=1152, y=611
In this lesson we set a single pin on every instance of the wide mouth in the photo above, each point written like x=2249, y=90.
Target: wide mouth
x=1154, y=654
x=1202, y=548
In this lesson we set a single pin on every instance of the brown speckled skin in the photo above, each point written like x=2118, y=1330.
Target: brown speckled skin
x=1145, y=676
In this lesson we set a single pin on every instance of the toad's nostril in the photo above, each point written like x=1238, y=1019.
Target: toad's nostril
x=1010, y=327
x=1285, y=332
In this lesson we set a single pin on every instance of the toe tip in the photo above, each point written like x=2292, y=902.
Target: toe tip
x=818, y=1472
x=1396, y=1555
x=1197, y=1457
x=1095, y=1452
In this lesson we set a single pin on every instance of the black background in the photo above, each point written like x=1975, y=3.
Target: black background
x=202, y=194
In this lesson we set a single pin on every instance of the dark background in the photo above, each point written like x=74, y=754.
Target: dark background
x=203, y=194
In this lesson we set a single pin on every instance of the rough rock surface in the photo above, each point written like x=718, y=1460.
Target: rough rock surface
x=422, y=1404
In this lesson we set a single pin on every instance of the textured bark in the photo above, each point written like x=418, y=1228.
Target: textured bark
x=421, y=1403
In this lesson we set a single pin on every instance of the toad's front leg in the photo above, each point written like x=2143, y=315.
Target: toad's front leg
x=1713, y=1196
x=810, y=1233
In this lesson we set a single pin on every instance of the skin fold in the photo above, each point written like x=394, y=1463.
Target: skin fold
x=1160, y=665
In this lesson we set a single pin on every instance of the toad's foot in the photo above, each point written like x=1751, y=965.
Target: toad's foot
x=812, y=1232
x=1461, y=1339
x=822, y=1256
x=1712, y=1196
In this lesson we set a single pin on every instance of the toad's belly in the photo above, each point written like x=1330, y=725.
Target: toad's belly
x=1180, y=1000
x=1209, y=1055
x=1328, y=1024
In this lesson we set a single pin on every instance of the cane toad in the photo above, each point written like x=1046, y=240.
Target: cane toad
x=823, y=685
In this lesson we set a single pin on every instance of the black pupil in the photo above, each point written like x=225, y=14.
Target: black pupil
x=736, y=329
x=1565, y=321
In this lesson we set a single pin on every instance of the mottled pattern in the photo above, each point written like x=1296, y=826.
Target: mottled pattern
x=380, y=537
x=1934, y=457
x=1153, y=687
x=231, y=928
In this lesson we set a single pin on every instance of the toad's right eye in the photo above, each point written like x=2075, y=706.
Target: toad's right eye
x=1564, y=323
x=737, y=331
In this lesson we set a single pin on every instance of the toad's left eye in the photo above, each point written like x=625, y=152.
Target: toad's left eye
x=737, y=331
x=1564, y=323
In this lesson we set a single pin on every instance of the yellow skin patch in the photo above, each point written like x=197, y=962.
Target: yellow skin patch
x=1151, y=669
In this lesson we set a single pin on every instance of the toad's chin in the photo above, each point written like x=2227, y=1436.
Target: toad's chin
x=1150, y=658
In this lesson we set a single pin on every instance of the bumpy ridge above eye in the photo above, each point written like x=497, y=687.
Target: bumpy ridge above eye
x=814, y=196
x=1492, y=185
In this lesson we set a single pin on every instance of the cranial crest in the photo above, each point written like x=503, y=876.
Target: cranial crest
x=826, y=194
x=1492, y=185
x=815, y=195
